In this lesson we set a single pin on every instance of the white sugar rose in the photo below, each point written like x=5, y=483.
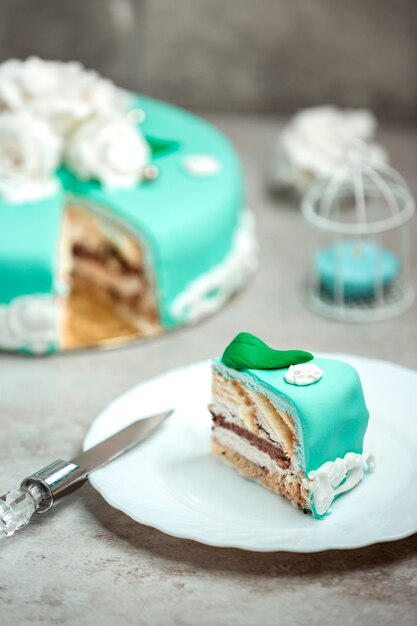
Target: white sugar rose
x=64, y=94
x=29, y=154
x=30, y=323
x=318, y=140
x=110, y=150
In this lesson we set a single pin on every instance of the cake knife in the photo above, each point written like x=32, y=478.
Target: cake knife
x=43, y=489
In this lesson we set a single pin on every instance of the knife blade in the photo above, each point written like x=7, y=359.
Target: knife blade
x=39, y=492
x=120, y=442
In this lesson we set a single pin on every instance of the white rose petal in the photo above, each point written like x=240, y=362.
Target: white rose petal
x=109, y=149
x=29, y=155
x=318, y=140
x=64, y=94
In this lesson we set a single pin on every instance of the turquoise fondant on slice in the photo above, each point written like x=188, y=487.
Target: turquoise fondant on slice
x=330, y=416
x=360, y=265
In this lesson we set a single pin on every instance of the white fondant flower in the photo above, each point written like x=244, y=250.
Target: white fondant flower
x=64, y=94
x=29, y=322
x=303, y=374
x=202, y=165
x=29, y=154
x=318, y=140
x=109, y=149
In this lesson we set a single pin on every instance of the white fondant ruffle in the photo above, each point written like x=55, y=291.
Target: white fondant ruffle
x=336, y=477
x=30, y=323
x=209, y=292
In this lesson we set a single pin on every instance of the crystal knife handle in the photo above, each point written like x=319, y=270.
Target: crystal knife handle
x=16, y=509
x=38, y=493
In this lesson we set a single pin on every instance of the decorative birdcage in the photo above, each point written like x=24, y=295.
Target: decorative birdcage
x=359, y=252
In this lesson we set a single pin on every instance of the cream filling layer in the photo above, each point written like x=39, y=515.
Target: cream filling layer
x=251, y=453
x=228, y=411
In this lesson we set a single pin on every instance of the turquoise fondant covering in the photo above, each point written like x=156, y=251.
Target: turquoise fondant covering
x=330, y=415
x=187, y=223
x=29, y=235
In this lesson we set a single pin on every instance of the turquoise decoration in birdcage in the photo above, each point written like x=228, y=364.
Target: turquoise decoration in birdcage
x=359, y=252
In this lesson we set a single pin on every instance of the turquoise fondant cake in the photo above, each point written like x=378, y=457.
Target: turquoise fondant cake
x=294, y=423
x=119, y=214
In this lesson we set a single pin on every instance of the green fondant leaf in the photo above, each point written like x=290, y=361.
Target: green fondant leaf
x=248, y=352
x=161, y=147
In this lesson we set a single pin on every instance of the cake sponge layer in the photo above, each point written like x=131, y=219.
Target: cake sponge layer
x=284, y=484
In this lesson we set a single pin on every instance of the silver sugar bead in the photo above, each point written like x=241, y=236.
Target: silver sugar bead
x=150, y=173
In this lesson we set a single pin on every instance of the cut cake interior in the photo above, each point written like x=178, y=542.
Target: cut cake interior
x=258, y=439
x=108, y=287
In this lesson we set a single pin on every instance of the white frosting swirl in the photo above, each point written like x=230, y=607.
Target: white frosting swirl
x=336, y=477
x=201, y=165
x=303, y=374
x=64, y=94
x=30, y=323
x=29, y=154
x=109, y=149
x=318, y=140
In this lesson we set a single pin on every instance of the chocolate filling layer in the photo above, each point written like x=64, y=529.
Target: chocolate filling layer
x=103, y=255
x=272, y=449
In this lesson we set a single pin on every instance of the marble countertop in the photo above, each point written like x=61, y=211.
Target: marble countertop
x=89, y=564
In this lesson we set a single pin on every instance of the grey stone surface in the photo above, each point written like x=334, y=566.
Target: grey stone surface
x=88, y=564
x=269, y=55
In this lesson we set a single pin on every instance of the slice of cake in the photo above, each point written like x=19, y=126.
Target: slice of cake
x=292, y=422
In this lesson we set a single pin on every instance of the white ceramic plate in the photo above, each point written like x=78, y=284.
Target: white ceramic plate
x=172, y=483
